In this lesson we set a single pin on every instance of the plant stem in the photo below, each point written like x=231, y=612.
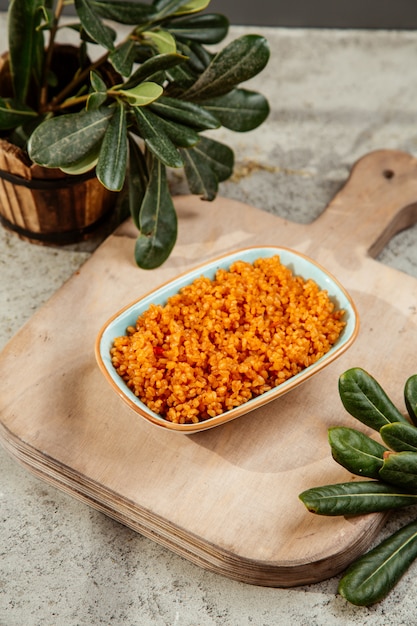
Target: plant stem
x=79, y=78
x=44, y=88
x=69, y=103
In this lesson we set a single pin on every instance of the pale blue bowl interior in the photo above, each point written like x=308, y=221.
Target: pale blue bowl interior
x=299, y=266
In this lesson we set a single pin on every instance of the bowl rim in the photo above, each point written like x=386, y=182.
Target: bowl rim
x=143, y=411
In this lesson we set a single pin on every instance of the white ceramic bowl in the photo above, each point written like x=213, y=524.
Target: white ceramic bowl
x=297, y=262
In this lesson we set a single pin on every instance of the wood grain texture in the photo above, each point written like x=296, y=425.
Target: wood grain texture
x=226, y=498
x=35, y=210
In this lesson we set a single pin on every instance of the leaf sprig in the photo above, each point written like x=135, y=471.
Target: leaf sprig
x=392, y=470
x=166, y=88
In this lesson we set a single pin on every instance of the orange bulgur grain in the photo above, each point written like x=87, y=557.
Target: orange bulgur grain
x=218, y=343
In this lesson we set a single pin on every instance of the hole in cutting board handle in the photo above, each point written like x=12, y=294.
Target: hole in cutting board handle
x=388, y=174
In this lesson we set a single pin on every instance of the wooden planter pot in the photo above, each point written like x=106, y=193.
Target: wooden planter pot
x=44, y=205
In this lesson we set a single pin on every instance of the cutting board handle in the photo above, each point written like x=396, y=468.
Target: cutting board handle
x=378, y=200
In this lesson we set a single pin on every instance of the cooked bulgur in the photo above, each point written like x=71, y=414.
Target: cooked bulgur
x=218, y=343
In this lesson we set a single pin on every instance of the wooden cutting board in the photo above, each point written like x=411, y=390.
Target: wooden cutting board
x=226, y=498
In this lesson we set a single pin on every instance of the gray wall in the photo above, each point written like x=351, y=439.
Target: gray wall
x=316, y=13
x=321, y=13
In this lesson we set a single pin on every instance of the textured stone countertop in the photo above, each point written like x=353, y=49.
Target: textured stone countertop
x=335, y=96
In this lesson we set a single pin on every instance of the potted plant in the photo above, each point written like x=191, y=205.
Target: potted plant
x=130, y=105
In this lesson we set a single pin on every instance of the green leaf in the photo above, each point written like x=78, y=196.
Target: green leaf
x=138, y=180
x=209, y=28
x=67, y=139
x=48, y=15
x=142, y=94
x=400, y=469
x=193, y=7
x=123, y=11
x=197, y=57
x=112, y=161
x=123, y=57
x=180, y=78
x=239, y=110
x=373, y=576
x=185, y=113
x=153, y=65
x=168, y=7
x=217, y=155
x=205, y=57
x=158, y=221
x=181, y=136
x=158, y=143
x=242, y=59
x=95, y=101
x=13, y=114
x=25, y=44
x=400, y=437
x=410, y=397
x=92, y=24
x=355, y=498
x=200, y=177
x=163, y=41
x=356, y=452
x=85, y=164
x=363, y=397
x=97, y=82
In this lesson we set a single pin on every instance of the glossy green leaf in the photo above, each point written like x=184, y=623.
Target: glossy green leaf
x=25, y=44
x=400, y=437
x=142, y=94
x=13, y=114
x=155, y=64
x=165, y=8
x=373, y=576
x=138, y=180
x=97, y=83
x=400, y=469
x=209, y=28
x=163, y=41
x=87, y=163
x=95, y=100
x=205, y=165
x=48, y=15
x=217, y=155
x=123, y=57
x=197, y=57
x=202, y=53
x=201, y=179
x=356, y=452
x=181, y=78
x=155, y=139
x=192, y=7
x=158, y=221
x=242, y=59
x=181, y=136
x=65, y=140
x=112, y=161
x=363, y=397
x=410, y=397
x=355, y=498
x=92, y=24
x=239, y=110
x=185, y=113
x=123, y=11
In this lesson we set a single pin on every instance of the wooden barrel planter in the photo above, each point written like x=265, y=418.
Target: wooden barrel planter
x=44, y=205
